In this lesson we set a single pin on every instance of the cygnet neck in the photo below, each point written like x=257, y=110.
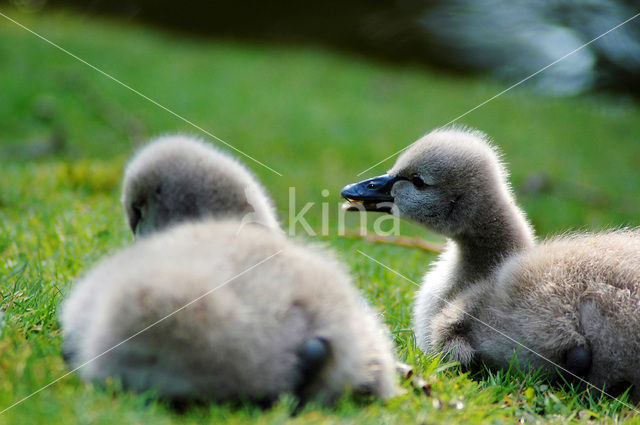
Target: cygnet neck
x=494, y=234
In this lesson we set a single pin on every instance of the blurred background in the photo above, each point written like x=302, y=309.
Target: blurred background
x=320, y=91
x=509, y=39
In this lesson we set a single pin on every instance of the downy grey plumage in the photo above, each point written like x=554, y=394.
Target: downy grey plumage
x=177, y=178
x=277, y=317
x=571, y=299
x=293, y=323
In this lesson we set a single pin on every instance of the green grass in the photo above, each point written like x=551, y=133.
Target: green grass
x=318, y=118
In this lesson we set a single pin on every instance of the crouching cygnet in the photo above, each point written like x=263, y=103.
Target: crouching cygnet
x=219, y=310
x=176, y=178
x=569, y=304
x=204, y=312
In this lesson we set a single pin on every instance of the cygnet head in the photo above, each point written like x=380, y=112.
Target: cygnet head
x=451, y=180
x=177, y=178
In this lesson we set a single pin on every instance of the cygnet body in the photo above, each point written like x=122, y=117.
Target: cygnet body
x=494, y=291
x=207, y=307
x=219, y=314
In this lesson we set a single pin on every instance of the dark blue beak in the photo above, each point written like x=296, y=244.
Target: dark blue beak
x=369, y=193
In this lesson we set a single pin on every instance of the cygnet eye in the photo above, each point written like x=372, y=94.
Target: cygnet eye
x=136, y=215
x=418, y=182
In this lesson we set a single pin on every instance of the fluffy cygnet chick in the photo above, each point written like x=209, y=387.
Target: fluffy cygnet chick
x=177, y=178
x=493, y=288
x=270, y=316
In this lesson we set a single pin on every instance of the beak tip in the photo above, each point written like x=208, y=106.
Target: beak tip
x=346, y=191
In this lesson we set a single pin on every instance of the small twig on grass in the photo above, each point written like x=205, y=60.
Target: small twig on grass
x=413, y=242
x=408, y=373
